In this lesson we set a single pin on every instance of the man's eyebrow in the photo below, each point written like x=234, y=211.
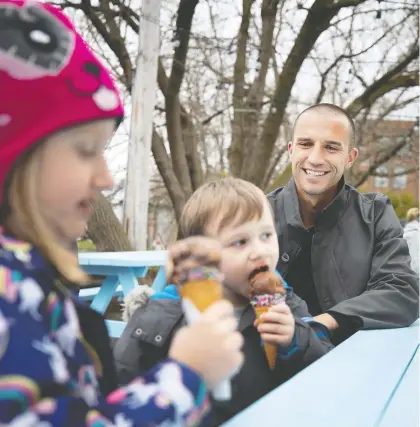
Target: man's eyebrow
x=339, y=144
x=305, y=139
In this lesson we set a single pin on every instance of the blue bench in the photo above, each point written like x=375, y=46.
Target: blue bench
x=121, y=271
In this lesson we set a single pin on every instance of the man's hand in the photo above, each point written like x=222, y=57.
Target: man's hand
x=277, y=326
x=328, y=321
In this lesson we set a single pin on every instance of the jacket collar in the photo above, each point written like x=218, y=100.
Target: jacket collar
x=326, y=218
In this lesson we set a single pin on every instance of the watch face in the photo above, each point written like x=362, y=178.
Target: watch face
x=33, y=43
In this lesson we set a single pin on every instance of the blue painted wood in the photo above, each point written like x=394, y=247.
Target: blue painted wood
x=105, y=270
x=121, y=270
x=348, y=387
x=404, y=406
x=115, y=328
x=123, y=259
x=128, y=281
x=104, y=296
x=87, y=294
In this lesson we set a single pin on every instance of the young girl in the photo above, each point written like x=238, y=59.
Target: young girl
x=58, y=109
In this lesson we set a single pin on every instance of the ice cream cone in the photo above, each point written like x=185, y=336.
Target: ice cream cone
x=199, y=291
x=269, y=349
x=202, y=293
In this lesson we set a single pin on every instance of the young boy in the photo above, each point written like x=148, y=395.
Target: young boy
x=236, y=214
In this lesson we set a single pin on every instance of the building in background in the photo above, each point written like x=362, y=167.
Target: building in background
x=399, y=175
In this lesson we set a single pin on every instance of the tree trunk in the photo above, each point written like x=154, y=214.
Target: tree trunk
x=104, y=228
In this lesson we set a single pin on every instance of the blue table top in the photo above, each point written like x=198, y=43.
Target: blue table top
x=405, y=402
x=124, y=259
x=355, y=385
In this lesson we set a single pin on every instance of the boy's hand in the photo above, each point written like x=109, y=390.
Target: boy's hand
x=277, y=326
x=186, y=254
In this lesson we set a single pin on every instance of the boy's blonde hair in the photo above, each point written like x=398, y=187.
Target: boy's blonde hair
x=26, y=222
x=221, y=203
x=412, y=214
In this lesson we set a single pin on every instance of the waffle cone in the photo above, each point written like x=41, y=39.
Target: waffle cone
x=203, y=293
x=269, y=349
x=260, y=311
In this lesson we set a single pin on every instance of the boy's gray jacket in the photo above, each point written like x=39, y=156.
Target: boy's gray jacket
x=149, y=332
x=360, y=260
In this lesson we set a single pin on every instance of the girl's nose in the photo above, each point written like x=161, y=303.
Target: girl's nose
x=104, y=179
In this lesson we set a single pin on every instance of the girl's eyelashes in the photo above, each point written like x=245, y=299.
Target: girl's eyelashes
x=87, y=152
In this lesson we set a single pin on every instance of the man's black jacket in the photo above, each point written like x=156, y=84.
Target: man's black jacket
x=360, y=260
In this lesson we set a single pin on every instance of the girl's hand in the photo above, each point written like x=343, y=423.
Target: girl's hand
x=186, y=254
x=212, y=345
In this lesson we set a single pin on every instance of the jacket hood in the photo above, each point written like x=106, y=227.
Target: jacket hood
x=140, y=295
x=411, y=226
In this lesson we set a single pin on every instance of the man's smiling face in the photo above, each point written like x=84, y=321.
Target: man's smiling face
x=320, y=152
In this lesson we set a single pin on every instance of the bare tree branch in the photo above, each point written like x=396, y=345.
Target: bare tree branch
x=164, y=166
x=352, y=55
x=384, y=157
x=112, y=37
x=391, y=80
x=185, y=15
x=235, y=154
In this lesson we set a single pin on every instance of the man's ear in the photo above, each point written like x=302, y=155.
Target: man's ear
x=353, y=155
x=290, y=147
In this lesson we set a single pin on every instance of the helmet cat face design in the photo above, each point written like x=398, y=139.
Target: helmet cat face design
x=50, y=80
x=33, y=44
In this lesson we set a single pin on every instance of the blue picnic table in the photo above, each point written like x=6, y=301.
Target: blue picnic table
x=370, y=380
x=121, y=271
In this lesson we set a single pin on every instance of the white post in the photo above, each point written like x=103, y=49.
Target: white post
x=136, y=197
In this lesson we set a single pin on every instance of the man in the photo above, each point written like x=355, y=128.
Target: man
x=343, y=252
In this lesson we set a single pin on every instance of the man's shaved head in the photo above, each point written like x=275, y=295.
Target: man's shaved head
x=333, y=109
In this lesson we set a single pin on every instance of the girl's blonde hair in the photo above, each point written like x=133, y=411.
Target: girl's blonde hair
x=412, y=214
x=26, y=222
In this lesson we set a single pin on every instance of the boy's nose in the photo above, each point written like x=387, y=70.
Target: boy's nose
x=258, y=250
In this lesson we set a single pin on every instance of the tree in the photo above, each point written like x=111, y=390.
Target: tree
x=402, y=203
x=244, y=87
